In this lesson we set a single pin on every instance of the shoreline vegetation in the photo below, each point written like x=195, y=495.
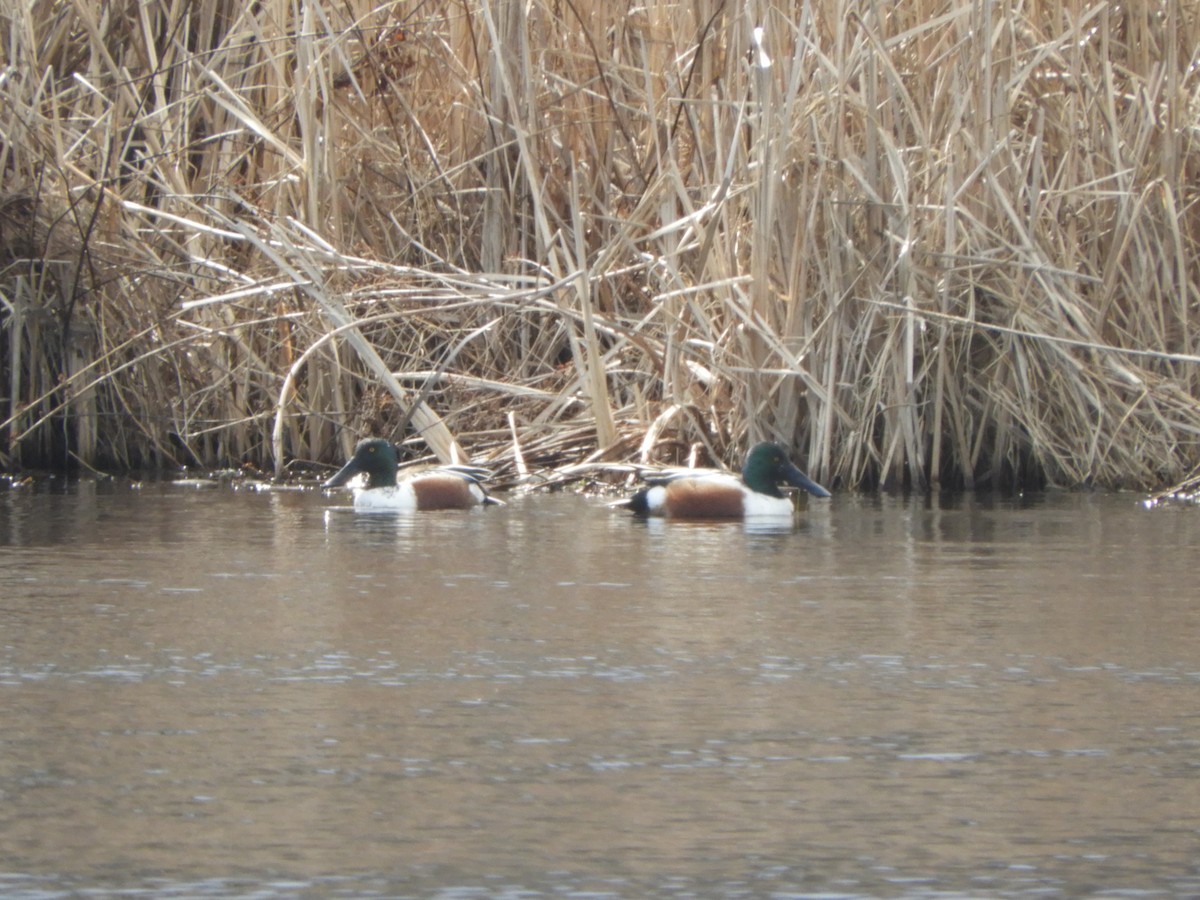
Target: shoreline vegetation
x=927, y=244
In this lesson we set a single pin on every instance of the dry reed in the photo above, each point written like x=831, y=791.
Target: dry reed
x=924, y=243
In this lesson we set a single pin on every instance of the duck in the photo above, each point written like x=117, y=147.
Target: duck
x=713, y=494
x=443, y=487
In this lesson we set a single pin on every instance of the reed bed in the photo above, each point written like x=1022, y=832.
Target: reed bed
x=925, y=244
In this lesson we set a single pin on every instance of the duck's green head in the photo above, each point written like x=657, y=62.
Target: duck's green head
x=373, y=457
x=767, y=467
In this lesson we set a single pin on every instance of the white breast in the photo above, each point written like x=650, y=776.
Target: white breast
x=761, y=505
x=389, y=499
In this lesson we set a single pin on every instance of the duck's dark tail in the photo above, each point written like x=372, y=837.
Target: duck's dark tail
x=636, y=503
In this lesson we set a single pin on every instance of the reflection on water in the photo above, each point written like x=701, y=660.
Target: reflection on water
x=215, y=692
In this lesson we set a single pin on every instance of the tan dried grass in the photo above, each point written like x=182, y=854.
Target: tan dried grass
x=925, y=243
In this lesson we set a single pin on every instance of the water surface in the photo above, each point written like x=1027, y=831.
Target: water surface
x=219, y=692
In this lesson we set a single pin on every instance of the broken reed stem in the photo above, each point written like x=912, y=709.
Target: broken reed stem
x=923, y=245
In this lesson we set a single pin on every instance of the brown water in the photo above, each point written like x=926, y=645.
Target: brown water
x=219, y=692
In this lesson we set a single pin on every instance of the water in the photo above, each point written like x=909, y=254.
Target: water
x=218, y=692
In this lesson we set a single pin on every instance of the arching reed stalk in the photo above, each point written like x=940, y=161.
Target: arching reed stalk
x=926, y=243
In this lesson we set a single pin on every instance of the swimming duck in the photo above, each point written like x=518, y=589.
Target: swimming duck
x=445, y=487
x=709, y=494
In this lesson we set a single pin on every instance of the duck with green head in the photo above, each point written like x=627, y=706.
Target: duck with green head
x=446, y=487
x=684, y=494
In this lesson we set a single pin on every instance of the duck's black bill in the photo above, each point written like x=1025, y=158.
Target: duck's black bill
x=796, y=478
x=344, y=474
